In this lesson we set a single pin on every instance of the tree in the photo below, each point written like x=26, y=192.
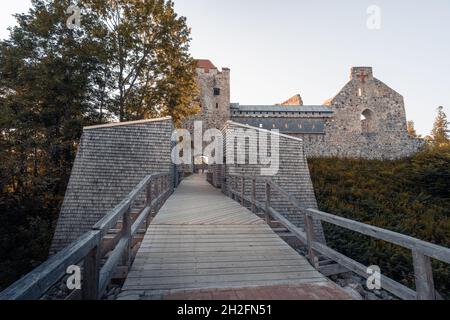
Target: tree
x=153, y=73
x=126, y=61
x=412, y=130
x=50, y=82
x=440, y=132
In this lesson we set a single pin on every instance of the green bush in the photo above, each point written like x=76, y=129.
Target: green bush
x=410, y=196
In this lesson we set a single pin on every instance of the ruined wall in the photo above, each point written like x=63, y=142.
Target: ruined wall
x=369, y=121
x=293, y=101
x=336, y=129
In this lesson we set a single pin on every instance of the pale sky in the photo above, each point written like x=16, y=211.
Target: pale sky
x=276, y=49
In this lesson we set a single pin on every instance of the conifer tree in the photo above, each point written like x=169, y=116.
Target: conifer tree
x=440, y=133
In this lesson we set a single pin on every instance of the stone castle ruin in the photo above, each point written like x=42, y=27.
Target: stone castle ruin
x=366, y=119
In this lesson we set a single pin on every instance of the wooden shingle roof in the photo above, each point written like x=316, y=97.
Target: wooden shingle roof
x=111, y=161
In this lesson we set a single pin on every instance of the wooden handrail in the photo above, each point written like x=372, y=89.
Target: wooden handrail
x=422, y=251
x=90, y=250
x=429, y=249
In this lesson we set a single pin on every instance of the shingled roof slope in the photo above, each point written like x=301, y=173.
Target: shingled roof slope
x=111, y=161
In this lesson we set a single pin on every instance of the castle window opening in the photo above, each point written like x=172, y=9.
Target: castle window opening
x=367, y=121
x=359, y=92
x=217, y=91
x=217, y=106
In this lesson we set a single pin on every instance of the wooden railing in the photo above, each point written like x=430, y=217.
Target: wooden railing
x=422, y=251
x=91, y=249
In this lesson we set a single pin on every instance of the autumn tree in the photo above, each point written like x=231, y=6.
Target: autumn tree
x=127, y=60
x=412, y=130
x=152, y=70
x=440, y=132
x=50, y=86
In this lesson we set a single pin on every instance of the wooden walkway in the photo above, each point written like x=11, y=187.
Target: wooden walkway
x=202, y=242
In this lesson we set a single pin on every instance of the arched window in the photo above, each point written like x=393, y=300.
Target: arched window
x=367, y=121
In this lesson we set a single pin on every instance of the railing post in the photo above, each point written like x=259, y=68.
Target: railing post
x=310, y=239
x=149, y=201
x=232, y=187
x=254, y=195
x=236, y=188
x=126, y=234
x=268, y=203
x=243, y=191
x=423, y=273
x=91, y=269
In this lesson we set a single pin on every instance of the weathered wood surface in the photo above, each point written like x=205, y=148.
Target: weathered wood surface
x=201, y=239
x=422, y=251
x=91, y=247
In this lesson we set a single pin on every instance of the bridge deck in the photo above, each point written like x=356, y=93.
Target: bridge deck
x=202, y=242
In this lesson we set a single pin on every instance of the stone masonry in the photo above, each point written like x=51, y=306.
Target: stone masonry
x=366, y=119
x=214, y=86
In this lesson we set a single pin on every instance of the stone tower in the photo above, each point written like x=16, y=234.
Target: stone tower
x=214, y=86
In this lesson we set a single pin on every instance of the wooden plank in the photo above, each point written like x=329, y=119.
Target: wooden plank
x=151, y=260
x=253, y=200
x=33, y=285
x=428, y=249
x=126, y=234
x=110, y=220
x=155, y=281
x=268, y=203
x=108, y=269
x=147, y=265
x=91, y=275
x=203, y=239
x=311, y=238
x=288, y=225
x=218, y=285
x=423, y=273
x=333, y=269
x=181, y=273
x=390, y=285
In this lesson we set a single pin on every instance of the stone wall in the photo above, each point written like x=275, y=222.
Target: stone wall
x=369, y=122
x=366, y=119
x=214, y=86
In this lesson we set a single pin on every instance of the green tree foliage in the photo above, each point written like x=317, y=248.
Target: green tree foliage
x=127, y=61
x=410, y=196
x=47, y=89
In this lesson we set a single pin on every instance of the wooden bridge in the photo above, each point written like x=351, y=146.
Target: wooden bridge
x=202, y=240
x=205, y=245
